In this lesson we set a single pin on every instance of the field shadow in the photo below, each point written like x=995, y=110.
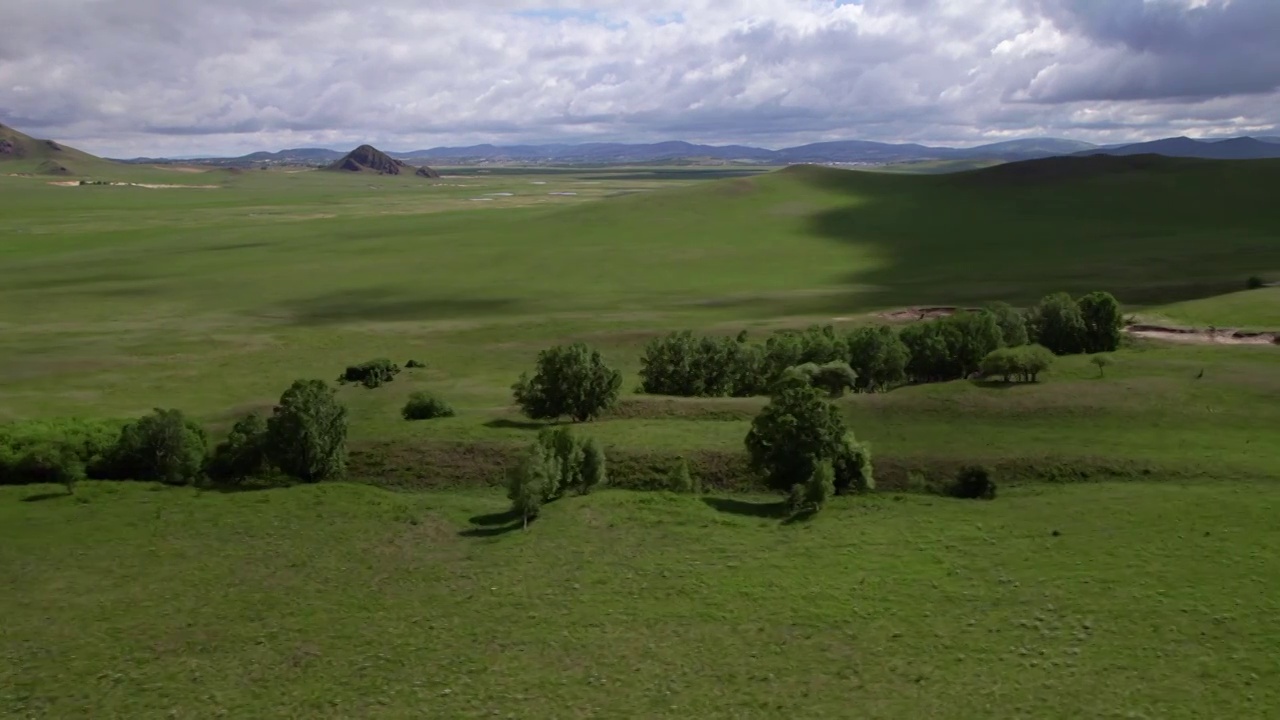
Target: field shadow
x=376, y=305
x=994, y=384
x=509, y=424
x=501, y=518
x=490, y=532
x=41, y=497
x=767, y=510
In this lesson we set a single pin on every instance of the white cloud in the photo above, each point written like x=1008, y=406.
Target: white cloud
x=126, y=77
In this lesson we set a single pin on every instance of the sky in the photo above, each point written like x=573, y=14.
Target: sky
x=125, y=78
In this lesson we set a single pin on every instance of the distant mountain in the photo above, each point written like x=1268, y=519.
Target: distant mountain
x=1242, y=148
x=367, y=158
x=590, y=153
x=1028, y=149
x=1275, y=139
x=21, y=153
x=294, y=155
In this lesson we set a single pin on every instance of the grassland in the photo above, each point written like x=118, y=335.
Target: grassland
x=1139, y=600
x=1154, y=598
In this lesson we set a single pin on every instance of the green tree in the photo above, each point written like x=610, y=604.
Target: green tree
x=163, y=446
x=852, y=467
x=878, y=357
x=1101, y=362
x=970, y=336
x=529, y=482
x=307, y=432
x=571, y=381
x=834, y=377
x=1057, y=324
x=680, y=480
x=1103, y=322
x=565, y=456
x=819, y=488
x=243, y=454
x=1012, y=322
x=792, y=434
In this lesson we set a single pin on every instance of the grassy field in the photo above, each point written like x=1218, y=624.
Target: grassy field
x=1152, y=597
x=1107, y=601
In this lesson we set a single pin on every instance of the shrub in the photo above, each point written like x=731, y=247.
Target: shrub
x=1000, y=363
x=816, y=491
x=1103, y=322
x=412, y=364
x=795, y=432
x=423, y=405
x=243, y=454
x=572, y=381
x=565, y=457
x=974, y=483
x=680, y=480
x=1012, y=323
x=594, y=472
x=371, y=374
x=1255, y=282
x=1057, y=324
x=834, y=377
x=878, y=358
x=307, y=432
x=38, y=451
x=164, y=446
x=852, y=467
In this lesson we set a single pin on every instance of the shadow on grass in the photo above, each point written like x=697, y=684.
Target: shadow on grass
x=509, y=424
x=994, y=384
x=502, y=518
x=488, y=532
x=769, y=510
x=46, y=496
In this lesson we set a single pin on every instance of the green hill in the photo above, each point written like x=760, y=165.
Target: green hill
x=21, y=153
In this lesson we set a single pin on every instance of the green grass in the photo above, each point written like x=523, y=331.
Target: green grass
x=1153, y=600
x=1251, y=309
x=115, y=300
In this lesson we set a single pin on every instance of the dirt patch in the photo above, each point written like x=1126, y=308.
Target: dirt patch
x=1217, y=336
x=915, y=314
x=154, y=186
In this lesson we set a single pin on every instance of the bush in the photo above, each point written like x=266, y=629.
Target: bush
x=569, y=381
x=371, y=374
x=795, y=432
x=423, y=405
x=834, y=378
x=1255, y=282
x=1057, y=324
x=877, y=357
x=852, y=467
x=1012, y=323
x=1102, y=362
x=243, y=454
x=412, y=364
x=307, y=432
x=1103, y=322
x=594, y=472
x=40, y=451
x=813, y=495
x=164, y=446
x=974, y=483
x=565, y=457
x=1023, y=364
x=680, y=480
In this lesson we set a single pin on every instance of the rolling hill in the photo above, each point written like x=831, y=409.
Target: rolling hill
x=1242, y=148
x=21, y=153
x=367, y=158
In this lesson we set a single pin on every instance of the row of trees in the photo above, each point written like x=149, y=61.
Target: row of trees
x=304, y=438
x=879, y=358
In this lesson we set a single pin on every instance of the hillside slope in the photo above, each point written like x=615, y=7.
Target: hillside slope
x=21, y=153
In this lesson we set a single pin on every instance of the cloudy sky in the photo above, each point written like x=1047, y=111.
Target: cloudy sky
x=175, y=77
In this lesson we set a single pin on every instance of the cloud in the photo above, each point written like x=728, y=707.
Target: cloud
x=127, y=77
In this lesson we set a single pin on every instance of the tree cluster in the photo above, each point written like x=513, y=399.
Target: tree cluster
x=371, y=374
x=1021, y=364
x=556, y=464
x=1090, y=324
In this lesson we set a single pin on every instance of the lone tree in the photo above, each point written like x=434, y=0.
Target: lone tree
x=571, y=381
x=307, y=433
x=797, y=431
x=1102, y=362
x=530, y=482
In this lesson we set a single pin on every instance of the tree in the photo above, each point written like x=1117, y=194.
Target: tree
x=243, y=454
x=833, y=377
x=1057, y=324
x=528, y=483
x=1101, y=361
x=1254, y=282
x=594, y=473
x=1103, y=322
x=1012, y=322
x=565, y=457
x=571, y=381
x=164, y=446
x=1001, y=363
x=1025, y=363
x=929, y=357
x=878, y=357
x=970, y=336
x=680, y=480
x=852, y=467
x=307, y=432
x=1033, y=360
x=792, y=434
